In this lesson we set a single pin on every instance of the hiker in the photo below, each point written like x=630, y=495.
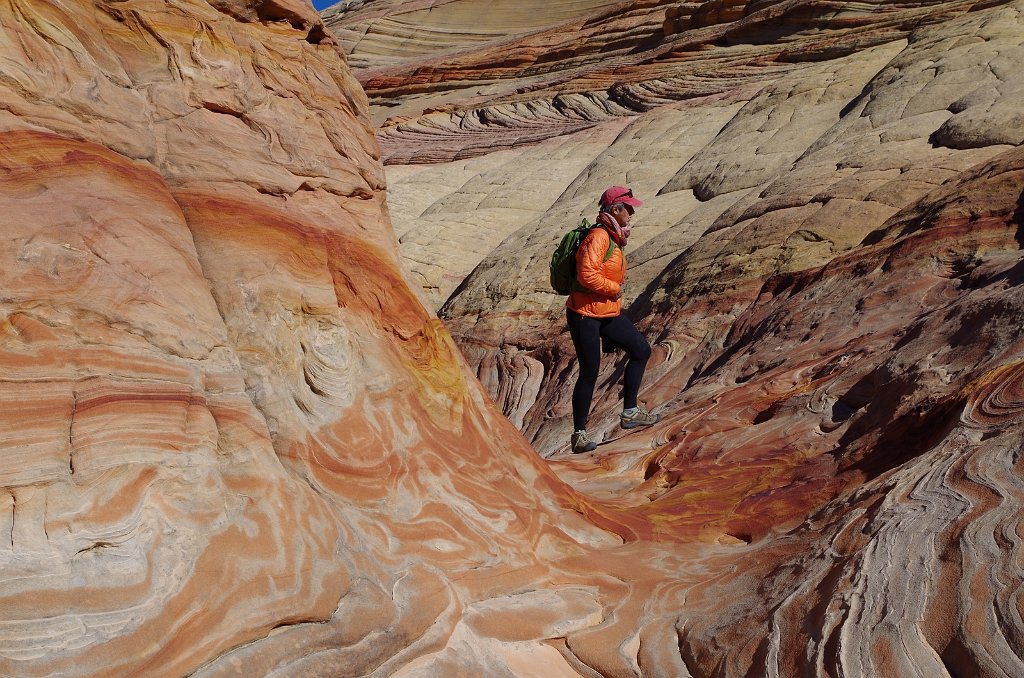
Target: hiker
x=594, y=311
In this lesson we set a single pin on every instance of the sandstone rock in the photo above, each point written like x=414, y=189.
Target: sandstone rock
x=828, y=266
x=449, y=222
x=232, y=440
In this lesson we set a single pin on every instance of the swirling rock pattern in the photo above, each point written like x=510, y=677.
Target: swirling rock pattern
x=829, y=267
x=232, y=439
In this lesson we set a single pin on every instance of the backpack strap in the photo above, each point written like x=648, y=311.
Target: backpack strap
x=611, y=245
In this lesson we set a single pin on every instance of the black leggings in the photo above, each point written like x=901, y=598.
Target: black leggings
x=586, y=335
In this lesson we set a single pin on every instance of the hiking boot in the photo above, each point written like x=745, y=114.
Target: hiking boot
x=638, y=417
x=582, y=443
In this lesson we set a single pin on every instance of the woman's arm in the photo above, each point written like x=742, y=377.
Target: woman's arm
x=590, y=264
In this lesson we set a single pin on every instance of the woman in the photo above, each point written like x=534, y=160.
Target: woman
x=594, y=310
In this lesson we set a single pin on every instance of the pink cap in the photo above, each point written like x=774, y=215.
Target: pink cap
x=619, y=194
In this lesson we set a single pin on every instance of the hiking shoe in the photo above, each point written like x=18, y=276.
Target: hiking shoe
x=638, y=417
x=581, y=443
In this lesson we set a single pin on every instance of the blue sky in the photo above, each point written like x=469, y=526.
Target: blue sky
x=323, y=4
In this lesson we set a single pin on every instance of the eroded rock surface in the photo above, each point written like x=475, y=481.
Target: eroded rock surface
x=232, y=439
x=828, y=265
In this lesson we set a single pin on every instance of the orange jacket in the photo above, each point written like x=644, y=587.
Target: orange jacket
x=602, y=279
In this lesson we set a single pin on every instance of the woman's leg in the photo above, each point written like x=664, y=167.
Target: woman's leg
x=624, y=334
x=586, y=338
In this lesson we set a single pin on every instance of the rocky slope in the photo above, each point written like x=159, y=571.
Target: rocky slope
x=828, y=265
x=232, y=439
